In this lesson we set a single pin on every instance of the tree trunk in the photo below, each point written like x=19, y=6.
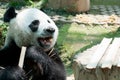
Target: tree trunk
x=70, y=5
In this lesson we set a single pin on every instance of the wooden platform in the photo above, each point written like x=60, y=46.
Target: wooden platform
x=101, y=62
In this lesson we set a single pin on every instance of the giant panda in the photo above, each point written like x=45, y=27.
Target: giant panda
x=33, y=29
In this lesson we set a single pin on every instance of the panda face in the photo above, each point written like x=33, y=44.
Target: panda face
x=33, y=27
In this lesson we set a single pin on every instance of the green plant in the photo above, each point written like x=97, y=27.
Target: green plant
x=30, y=2
x=17, y=3
x=37, y=4
x=3, y=32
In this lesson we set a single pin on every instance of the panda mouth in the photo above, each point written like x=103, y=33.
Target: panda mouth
x=46, y=41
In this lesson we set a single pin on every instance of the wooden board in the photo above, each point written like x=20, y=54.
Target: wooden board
x=99, y=53
x=111, y=55
x=83, y=66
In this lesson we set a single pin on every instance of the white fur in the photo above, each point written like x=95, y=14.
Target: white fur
x=21, y=33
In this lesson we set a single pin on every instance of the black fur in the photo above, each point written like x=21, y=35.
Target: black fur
x=34, y=25
x=10, y=14
x=12, y=73
x=38, y=64
x=9, y=55
x=45, y=67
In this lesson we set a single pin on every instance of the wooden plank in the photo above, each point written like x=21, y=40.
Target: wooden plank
x=99, y=53
x=118, y=64
x=22, y=56
x=110, y=57
x=117, y=58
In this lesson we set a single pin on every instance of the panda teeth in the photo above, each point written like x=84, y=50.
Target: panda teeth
x=45, y=40
x=51, y=40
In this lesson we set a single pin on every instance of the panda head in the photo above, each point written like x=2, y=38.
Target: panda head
x=30, y=27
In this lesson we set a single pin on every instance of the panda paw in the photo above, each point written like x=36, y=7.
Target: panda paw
x=12, y=73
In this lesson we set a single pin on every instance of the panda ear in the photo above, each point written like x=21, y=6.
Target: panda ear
x=9, y=14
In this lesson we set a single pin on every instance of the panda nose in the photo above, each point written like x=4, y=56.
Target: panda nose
x=50, y=30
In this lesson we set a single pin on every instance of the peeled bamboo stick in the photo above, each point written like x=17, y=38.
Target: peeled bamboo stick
x=22, y=56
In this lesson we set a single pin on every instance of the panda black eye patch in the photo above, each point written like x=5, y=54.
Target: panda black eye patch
x=48, y=21
x=34, y=25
